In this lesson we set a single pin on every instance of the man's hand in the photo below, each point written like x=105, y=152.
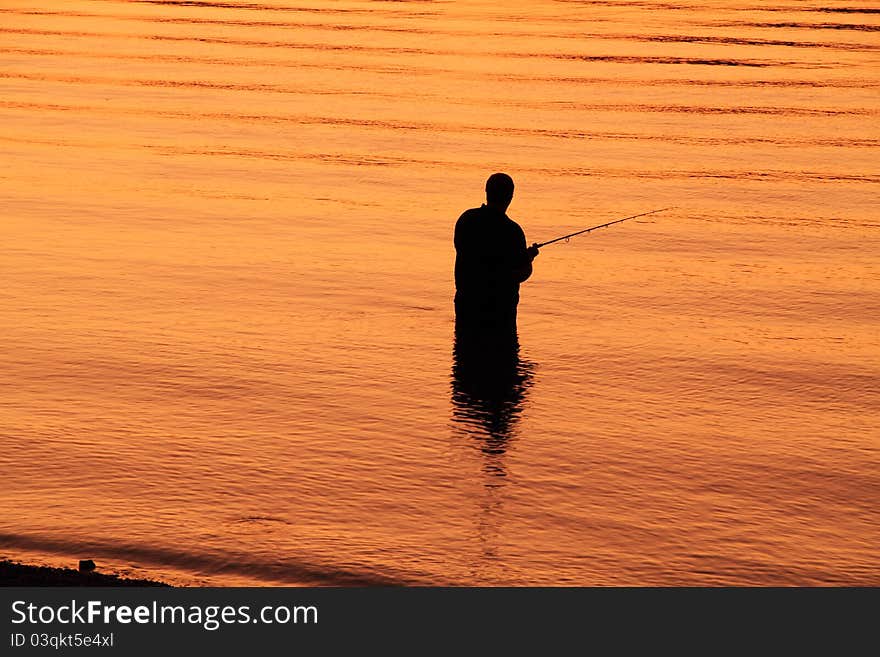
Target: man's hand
x=524, y=270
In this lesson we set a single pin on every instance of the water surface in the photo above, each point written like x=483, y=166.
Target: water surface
x=228, y=352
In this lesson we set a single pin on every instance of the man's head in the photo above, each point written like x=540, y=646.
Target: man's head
x=499, y=191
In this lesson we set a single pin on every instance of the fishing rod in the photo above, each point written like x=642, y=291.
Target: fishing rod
x=610, y=223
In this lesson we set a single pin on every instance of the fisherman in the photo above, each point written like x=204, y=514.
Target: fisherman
x=491, y=260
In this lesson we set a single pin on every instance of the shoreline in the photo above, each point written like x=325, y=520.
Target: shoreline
x=18, y=574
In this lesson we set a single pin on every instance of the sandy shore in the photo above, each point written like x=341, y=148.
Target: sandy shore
x=17, y=574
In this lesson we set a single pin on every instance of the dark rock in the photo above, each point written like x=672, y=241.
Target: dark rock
x=16, y=574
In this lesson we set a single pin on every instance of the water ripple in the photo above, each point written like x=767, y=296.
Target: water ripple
x=284, y=569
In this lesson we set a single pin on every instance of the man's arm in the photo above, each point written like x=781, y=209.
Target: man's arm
x=457, y=237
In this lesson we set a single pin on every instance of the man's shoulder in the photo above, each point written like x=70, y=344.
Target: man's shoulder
x=473, y=213
x=515, y=229
x=469, y=220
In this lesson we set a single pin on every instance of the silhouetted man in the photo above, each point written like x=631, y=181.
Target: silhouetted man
x=491, y=260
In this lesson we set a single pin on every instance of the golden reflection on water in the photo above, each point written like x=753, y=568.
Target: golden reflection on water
x=229, y=353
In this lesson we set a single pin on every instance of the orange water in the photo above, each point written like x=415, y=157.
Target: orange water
x=226, y=300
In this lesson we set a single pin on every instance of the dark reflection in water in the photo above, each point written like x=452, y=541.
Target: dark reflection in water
x=489, y=385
